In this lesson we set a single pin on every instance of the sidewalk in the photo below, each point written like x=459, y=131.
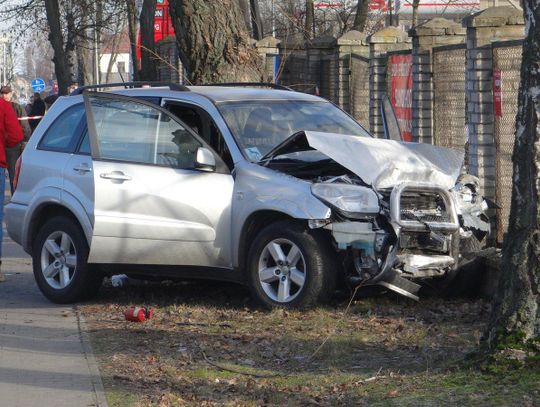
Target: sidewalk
x=45, y=356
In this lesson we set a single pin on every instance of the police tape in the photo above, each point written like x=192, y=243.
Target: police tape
x=30, y=117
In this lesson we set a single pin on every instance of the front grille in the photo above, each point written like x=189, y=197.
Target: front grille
x=423, y=207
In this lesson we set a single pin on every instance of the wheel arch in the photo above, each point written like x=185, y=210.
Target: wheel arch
x=46, y=211
x=253, y=224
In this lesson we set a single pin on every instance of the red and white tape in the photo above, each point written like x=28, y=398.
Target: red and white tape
x=30, y=117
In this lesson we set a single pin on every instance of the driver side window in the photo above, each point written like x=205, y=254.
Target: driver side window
x=135, y=132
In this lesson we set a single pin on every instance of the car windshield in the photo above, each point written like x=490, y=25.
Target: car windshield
x=259, y=126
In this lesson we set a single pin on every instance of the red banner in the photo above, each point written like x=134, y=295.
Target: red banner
x=400, y=71
x=497, y=92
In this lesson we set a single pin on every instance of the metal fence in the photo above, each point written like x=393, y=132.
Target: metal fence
x=449, y=96
x=358, y=88
x=506, y=59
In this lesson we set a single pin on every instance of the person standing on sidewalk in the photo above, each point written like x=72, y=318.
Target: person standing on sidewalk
x=13, y=153
x=38, y=109
x=11, y=134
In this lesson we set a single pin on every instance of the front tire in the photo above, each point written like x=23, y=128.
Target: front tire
x=59, y=257
x=290, y=266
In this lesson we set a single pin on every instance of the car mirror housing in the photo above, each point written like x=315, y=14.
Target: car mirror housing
x=205, y=160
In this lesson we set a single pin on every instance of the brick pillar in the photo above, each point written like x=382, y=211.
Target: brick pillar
x=269, y=51
x=322, y=66
x=433, y=33
x=352, y=45
x=381, y=42
x=492, y=24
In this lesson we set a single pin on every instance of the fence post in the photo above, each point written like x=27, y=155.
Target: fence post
x=269, y=51
x=353, y=75
x=484, y=27
x=381, y=42
x=433, y=33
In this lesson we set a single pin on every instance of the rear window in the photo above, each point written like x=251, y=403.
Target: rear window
x=64, y=132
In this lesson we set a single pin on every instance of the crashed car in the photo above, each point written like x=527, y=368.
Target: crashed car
x=272, y=188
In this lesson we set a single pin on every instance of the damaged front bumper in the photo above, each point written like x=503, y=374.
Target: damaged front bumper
x=415, y=236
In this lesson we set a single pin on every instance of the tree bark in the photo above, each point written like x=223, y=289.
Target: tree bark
x=361, y=15
x=246, y=14
x=61, y=68
x=132, y=34
x=516, y=310
x=256, y=20
x=149, y=60
x=213, y=43
x=310, y=19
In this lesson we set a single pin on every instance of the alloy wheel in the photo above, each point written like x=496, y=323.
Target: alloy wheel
x=282, y=270
x=58, y=260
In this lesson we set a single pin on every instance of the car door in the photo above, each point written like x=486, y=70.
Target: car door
x=152, y=206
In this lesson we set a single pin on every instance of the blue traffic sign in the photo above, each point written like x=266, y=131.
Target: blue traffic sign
x=38, y=85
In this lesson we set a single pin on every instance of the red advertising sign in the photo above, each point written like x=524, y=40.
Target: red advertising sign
x=400, y=71
x=497, y=92
x=381, y=5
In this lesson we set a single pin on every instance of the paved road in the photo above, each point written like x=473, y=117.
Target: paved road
x=45, y=357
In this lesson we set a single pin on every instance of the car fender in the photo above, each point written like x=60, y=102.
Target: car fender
x=259, y=189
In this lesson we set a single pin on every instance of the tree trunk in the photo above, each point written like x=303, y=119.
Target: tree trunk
x=132, y=33
x=516, y=310
x=246, y=14
x=310, y=20
x=213, y=43
x=149, y=60
x=256, y=20
x=61, y=68
x=361, y=15
x=415, y=5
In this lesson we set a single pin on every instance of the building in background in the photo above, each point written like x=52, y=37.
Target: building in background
x=115, y=62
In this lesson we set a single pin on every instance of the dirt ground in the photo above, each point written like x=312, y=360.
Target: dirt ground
x=207, y=345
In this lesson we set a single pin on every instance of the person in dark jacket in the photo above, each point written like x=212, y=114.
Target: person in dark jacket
x=13, y=153
x=38, y=109
x=11, y=134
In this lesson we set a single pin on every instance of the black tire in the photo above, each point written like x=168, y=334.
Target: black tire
x=74, y=280
x=316, y=264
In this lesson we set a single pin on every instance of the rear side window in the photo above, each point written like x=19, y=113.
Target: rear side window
x=63, y=134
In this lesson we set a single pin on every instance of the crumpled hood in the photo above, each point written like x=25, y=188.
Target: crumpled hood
x=386, y=163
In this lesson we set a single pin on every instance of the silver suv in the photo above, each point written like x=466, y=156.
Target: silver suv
x=276, y=189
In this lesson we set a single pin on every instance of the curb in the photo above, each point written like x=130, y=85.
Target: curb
x=97, y=384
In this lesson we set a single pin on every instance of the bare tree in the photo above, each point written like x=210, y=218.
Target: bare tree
x=213, y=44
x=361, y=15
x=149, y=62
x=61, y=68
x=310, y=19
x=256, y=20
x=515, y=318
x=133, y=26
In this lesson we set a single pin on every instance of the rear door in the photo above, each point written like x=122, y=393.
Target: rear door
x=152, y=206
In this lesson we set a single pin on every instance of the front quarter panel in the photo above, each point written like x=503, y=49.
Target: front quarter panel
x=262, y=189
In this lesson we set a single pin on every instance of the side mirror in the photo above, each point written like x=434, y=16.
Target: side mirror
x=205, y=160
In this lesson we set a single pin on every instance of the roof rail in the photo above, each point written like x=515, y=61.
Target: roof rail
x=251, y=84
x=129, y=85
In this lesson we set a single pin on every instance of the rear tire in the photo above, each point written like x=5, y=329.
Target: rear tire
x=59, y=257
x=290, y=266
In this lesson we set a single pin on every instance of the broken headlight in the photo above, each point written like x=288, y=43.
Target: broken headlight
x=352, y=200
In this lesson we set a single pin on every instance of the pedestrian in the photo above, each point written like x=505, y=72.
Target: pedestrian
x=11, y=135
x=13, y=153
x=38, y=109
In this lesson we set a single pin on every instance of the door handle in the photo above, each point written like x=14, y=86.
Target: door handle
x=116, y=176
x=83, y=168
